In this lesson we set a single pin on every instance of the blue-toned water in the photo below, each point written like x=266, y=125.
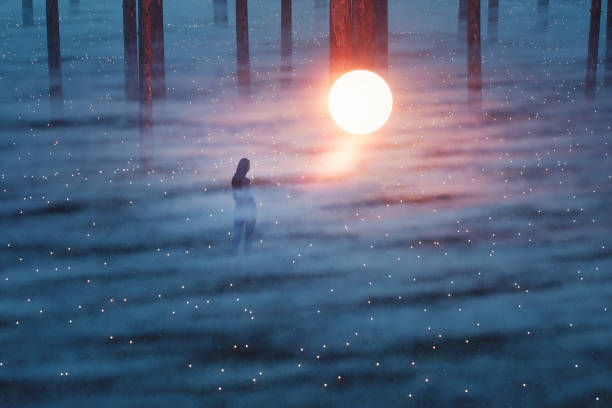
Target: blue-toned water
x=451, y=259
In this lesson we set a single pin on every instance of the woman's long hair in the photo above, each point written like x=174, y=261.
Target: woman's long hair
x=243, y=168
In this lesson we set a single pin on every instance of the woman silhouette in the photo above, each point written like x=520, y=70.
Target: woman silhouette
x=244, y=211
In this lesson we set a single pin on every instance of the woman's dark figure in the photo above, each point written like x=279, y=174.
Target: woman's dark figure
x=245, y=210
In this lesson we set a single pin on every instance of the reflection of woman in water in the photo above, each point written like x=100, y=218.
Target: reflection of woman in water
x=245, y=210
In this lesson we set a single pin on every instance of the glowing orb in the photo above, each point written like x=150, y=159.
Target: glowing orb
x=360, y=102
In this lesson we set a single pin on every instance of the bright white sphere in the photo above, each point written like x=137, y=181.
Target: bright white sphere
x=360, y=102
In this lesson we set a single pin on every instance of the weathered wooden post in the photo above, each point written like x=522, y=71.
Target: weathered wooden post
x=73, y=8
x=543, y=6
x=591, y=69
x=493, y=21
x=53, y=50
x=339, y=36
x=157, y=44
x=381, y=34
x=242, y=47
x=220, y=12
x=462, y=16
x=362, y=14
x=286, y=44
x=473, y=52
x=130, y=50
x=145, y=59
x=608, y=67
x=27, y=13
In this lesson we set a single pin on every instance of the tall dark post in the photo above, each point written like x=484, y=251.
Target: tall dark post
x=73, y=8
x=473, y=52
x=608, y=67
x=362, y=14
x=286, y=44
x=493, y=21
x=53, y=50
x=27, y=13
x=462, y=19
x=381, y=34
x=130, y=51
x=242, y=47
x=145, y=57
x=220, y=12
x=591, y=70
x=543, y=6
x=339, y=36
x=157, y=38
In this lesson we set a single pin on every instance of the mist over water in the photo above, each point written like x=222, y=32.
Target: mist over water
x=456, y=257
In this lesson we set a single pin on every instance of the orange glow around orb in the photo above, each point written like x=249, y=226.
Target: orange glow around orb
x=360, y=102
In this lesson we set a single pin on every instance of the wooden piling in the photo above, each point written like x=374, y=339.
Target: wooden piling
x=286, y=40
x=339, y=36
x=543, y=7
x=493, y=21
x=381, y=34
x=27, y=13
x=130, y=50
x=591, y=68
x=53, y=50
x=362, y=15
x=157, y=44
x=145, y=59
x=462, y=16
x=242, y=47
x=474, y=52
x=220, y=12
x=608, y=66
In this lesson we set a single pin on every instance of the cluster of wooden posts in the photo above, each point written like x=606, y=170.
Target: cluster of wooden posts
x=358, y=39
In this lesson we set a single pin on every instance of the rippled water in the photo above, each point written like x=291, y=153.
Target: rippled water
x=454, y=258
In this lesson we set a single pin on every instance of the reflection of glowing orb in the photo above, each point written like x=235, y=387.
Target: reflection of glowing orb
x=360, y=102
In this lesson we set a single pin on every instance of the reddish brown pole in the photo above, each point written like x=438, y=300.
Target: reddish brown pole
x=242, y=47
x=339, y=36
x=474, y=56
x=608, y=68
x=130, y=50
x=157, y=44
x=53, y=50
x=362, y=14
x=220, y=12
x=381, y=34
x=591, y=70
x=145, y=58
x=493, y=21
x=286, y=44
x=27, y=13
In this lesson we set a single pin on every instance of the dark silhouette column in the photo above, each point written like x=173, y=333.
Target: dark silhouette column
x=242, y=47
x=543, y=6
x=362, y=14
x=286, y=42
x=473, y=52
x=220, y=12
x=339, y=36
x=73, y=8
x=381, y=34
x=27, y=13
x=130, y=50
x=608, y=67
x=462, y=19
x=493, y=21
x=157, y=44
x=53, y=50
x=591, y=69
x=145, y=57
